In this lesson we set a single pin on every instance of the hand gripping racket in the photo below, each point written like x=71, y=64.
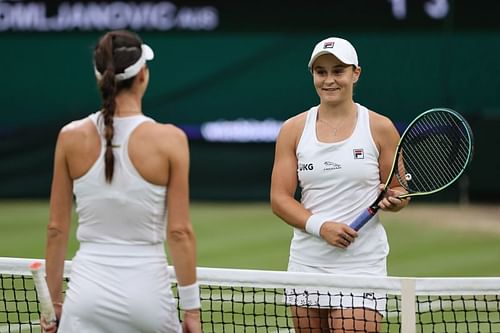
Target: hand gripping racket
x=432, y=154
x=42, y=290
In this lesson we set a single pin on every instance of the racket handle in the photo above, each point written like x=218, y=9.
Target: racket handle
x=46, y=306
x=364, y=217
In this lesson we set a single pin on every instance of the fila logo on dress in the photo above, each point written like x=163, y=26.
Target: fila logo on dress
x=358, y=153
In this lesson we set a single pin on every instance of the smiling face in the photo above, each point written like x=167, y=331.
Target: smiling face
x=334, y=80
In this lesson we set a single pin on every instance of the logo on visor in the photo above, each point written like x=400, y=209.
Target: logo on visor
x=328, y=45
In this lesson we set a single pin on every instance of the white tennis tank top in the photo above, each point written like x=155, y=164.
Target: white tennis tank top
x=129, y=210
x=339, y=181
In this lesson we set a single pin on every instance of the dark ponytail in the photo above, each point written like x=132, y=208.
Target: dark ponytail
x=115, y=51
x=107, y=87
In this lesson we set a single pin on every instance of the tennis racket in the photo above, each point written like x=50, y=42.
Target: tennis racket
x=432, y=154
x=46, y=307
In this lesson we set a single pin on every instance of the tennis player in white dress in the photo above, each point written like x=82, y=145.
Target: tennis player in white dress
x=337, y=153
x=129, y=176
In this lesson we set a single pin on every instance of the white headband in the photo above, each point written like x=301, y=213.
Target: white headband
x=132, y=70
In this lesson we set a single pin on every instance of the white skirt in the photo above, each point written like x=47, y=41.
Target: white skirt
x=119, y=288
x=338, y=299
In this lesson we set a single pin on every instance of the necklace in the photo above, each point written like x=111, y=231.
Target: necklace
x=334, y=128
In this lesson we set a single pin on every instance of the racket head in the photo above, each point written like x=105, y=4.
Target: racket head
x=433, y=152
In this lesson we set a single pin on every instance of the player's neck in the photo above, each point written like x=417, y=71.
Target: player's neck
x=128, y=105
x=338, y=110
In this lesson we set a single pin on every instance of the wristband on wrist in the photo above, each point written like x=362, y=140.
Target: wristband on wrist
x=313, y=224
x=189, y=296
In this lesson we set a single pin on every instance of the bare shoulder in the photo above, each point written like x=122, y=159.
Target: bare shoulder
x=167, y=138
x=76, y=126
x=380, y=123
x=384, y=132
x=292, y=127
x=173, y=132
x=296, y=122
x=168, y=132
x=291, y=130
x=77, y=130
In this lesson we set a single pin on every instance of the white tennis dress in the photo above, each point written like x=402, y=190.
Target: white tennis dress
x=339, y=181
x=119, y=280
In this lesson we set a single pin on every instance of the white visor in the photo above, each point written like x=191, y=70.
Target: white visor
x=340, y=48
x=132, y=70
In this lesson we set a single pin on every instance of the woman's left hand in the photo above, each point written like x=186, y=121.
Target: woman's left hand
x=391, y=202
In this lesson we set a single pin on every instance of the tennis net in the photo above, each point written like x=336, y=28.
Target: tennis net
x=235, y=300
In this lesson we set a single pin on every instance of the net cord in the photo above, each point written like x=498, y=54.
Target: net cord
x=280, y=279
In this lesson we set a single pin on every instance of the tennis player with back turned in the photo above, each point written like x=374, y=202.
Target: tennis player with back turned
x=120, y=164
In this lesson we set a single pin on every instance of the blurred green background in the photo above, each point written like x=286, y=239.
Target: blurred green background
x=250, y=65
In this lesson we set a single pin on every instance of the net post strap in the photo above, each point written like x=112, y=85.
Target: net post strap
x=408, y=309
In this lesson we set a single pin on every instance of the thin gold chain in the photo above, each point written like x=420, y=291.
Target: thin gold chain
x=334, y=128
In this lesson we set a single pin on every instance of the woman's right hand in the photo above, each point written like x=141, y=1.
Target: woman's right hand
x=338, y=234
x=191, y=322
x=48, y=327
x=53, y=325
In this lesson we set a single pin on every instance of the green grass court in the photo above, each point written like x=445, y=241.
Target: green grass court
x=426, y=241
x=249, y=236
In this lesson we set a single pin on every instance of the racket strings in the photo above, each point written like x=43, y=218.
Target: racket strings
x=434, y=169
x=433, y=152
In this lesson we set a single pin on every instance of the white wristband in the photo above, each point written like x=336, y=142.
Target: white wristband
x=189, y=296
x=313, y=224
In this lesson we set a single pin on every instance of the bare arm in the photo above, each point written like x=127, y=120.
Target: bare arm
x=284, y=184
x=180, y=235
x=284, y=176
x=181, y=239
x=61, y=201
x=387, y=137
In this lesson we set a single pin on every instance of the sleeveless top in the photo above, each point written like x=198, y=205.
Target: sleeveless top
x=129, y=210
x=339, y=181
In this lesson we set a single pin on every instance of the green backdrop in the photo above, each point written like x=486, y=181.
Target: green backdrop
x=204, y=76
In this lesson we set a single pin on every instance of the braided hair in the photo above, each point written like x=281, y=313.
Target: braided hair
x=114, y=52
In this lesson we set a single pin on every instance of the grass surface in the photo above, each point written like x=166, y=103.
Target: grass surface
x=425, y=241
x=248, y=235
